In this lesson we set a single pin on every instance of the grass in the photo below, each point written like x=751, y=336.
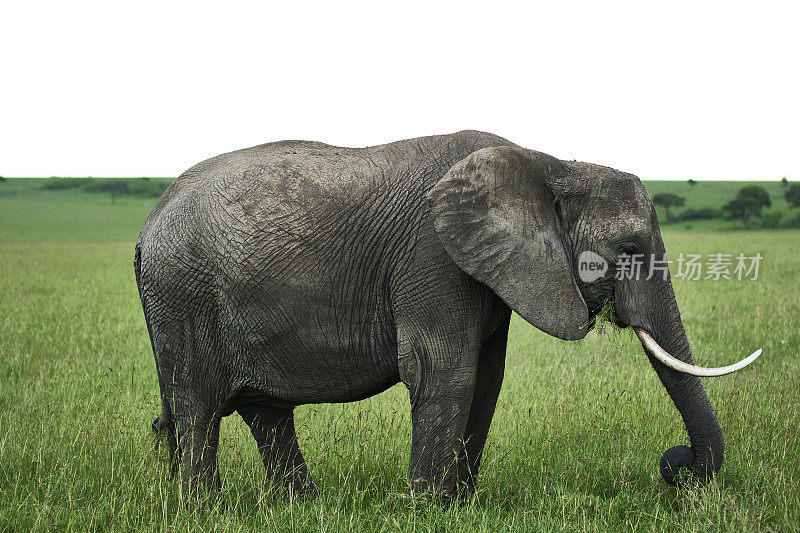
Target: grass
x=31, y=214
x=575, y=442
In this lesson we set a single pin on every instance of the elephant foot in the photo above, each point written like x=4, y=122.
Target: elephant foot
x=441, y=496
x=203, y=498
x=467, y=490
x=305, y=489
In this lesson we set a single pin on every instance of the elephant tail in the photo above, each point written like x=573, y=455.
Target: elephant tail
x=163, y=422
x=137, y=267
x=164, y=429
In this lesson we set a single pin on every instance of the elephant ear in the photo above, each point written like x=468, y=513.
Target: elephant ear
x=495, y=213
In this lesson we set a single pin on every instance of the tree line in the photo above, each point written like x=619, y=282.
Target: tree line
x=142, y=187
x=747, y=206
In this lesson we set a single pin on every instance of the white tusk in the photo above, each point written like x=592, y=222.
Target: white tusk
x=659, y=353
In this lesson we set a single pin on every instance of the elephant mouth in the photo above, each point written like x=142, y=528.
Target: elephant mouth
x=653, y=348
x=605, y=312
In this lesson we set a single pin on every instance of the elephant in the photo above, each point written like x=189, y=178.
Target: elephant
x=297, y=272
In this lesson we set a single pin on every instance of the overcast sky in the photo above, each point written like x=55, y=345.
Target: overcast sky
x=664, y=90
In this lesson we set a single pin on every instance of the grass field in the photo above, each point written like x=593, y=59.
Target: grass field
x=574, y=445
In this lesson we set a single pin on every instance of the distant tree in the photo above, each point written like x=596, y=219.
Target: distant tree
x=749, y=203
x=667, y=201
x=2, y=179
x=114, y=187
x=704, y=213
x=784, y=182
x=756, y=192
x=55, y=183
x=692, y=182
x=792, y=195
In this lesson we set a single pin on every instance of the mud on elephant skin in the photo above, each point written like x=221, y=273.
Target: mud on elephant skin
x=297, y=272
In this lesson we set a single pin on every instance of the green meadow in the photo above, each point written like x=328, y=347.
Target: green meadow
x=575, y=442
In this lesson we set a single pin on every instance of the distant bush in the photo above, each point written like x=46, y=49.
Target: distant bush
x=143, y=187
x=792, y=222
x=792, y=195
x=771, y=220
x=704, y=213
x=93, y=185
x=55, y=183
x=147, y=187
x=115, y=187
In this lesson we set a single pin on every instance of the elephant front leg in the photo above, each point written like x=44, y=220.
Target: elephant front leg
x=488, y=380
x=440, y=407
x=438, y=424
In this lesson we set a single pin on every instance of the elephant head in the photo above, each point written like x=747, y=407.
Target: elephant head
x=518, y=220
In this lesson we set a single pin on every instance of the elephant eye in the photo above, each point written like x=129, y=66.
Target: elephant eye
x=628, y=248
x=559, y=211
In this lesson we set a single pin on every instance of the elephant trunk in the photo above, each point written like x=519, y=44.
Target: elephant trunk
x=706, y=454
x=651, y=306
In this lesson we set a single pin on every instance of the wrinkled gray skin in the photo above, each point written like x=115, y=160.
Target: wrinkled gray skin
x=297, y=272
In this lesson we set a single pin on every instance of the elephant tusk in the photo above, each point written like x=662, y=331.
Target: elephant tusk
x=659, y=353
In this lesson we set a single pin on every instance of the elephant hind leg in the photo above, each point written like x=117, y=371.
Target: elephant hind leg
x=193, y=377
x=273, y=430
x=197, y=432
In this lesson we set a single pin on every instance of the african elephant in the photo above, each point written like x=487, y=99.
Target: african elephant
x=298, y=272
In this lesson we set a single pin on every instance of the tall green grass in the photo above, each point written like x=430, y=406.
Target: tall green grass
x=574, y=445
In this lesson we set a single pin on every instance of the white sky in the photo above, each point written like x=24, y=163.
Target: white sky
x=664, y=90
